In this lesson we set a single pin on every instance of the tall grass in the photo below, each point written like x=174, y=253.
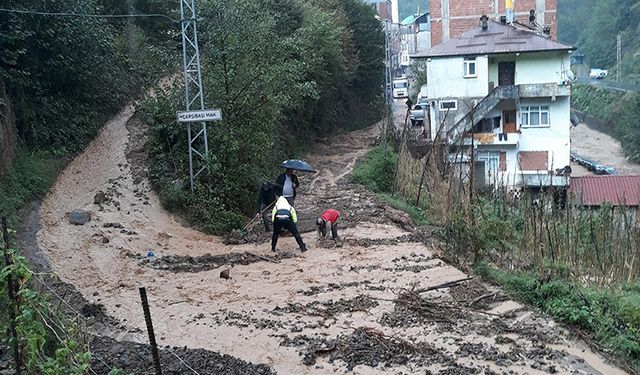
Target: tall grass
x=576, y=263
x=524, y=231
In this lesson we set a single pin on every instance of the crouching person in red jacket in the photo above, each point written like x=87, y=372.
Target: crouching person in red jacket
x=328, y=221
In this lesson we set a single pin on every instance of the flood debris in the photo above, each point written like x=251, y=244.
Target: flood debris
x=329, y=308
x=365, y=346
x=185, y=263
x=224, y=274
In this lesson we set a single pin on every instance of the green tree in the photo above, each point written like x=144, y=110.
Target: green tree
x=299, y=70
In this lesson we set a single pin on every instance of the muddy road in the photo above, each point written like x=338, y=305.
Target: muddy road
x=600, y=147
x=361, y=308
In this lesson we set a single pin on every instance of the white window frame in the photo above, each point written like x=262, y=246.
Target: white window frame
x=467, y=63
x=455, y=105
x=537, y=109
x=491, y=161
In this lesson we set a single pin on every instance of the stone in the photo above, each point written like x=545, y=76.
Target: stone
x=79, y=217
x=99, y=198
x=224, y=274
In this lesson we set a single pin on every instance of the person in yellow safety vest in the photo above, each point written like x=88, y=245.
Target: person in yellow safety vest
x=284, y=216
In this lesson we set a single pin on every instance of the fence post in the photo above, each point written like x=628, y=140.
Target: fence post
x=13, y=300
x=152, y=336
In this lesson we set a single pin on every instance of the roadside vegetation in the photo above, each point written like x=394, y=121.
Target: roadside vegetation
x=578, y=265
x=48, y=341
x=302, y=69
x=617, y=111
x=62, y=77
x=581, y=23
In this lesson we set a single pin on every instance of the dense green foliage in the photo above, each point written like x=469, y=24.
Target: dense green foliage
x=63, y=76
x=600, y=103
x=49, y=343
x=30, y=178
x=593, y=26
x=612, y=316
x=376, y=171
x=618, y=111
x=299, y=70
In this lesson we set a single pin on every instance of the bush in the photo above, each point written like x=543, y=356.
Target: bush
x=612, y=315
x=416, y=213
x=377, y=170
x=29, y=178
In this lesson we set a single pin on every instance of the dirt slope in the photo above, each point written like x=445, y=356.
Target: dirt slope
x=602, y=148
x=330, y=310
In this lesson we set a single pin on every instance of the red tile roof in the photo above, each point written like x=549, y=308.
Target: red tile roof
x=597, y=190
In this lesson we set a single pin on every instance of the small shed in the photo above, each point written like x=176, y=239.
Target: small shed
x=617, y=191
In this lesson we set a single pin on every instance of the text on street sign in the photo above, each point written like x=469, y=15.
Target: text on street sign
x=196, y=116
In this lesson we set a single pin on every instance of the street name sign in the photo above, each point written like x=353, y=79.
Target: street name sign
x=198, y=116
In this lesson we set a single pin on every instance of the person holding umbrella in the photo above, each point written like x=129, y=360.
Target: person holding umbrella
x=289, y=183
x=284, y=217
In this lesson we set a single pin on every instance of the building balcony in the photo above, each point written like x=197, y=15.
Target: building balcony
x=543, y=179
x=542, y=90
x=493, y=139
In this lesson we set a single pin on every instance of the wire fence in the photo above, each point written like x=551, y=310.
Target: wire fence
x=71, y=326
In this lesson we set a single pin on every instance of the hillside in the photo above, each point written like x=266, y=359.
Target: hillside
x=594, y=26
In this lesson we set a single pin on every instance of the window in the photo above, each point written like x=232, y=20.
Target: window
x=448, y=105
x=535, y=115
x=470, y=67
x=491, y=161
x=399, y=85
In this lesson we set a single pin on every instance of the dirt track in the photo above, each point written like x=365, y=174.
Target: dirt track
x=326, y=311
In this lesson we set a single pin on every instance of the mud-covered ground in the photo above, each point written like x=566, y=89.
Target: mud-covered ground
x=365, y=307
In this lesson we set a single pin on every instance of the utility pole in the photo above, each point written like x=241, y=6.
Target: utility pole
x=618, y=56
x=193, y=98
x=387, y=59
x=388, y=80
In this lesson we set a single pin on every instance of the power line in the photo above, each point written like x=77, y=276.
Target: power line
x=66, y=14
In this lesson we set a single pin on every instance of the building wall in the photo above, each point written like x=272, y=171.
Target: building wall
x=423, y=41
x=446, y=81
x=446, y=78
x=555, y=138
x=450, y=18
x=542, y=67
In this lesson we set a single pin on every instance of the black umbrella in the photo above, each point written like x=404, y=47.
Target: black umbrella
x=298, y=165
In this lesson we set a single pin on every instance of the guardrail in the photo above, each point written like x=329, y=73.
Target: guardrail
x=593, y=166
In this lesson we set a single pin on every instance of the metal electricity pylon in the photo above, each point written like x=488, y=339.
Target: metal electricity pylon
x=193, y=98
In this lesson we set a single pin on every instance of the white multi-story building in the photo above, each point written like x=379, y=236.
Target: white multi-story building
x=504, y=88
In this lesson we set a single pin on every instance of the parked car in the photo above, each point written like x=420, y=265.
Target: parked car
x=598, y=73
x=418, y=113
